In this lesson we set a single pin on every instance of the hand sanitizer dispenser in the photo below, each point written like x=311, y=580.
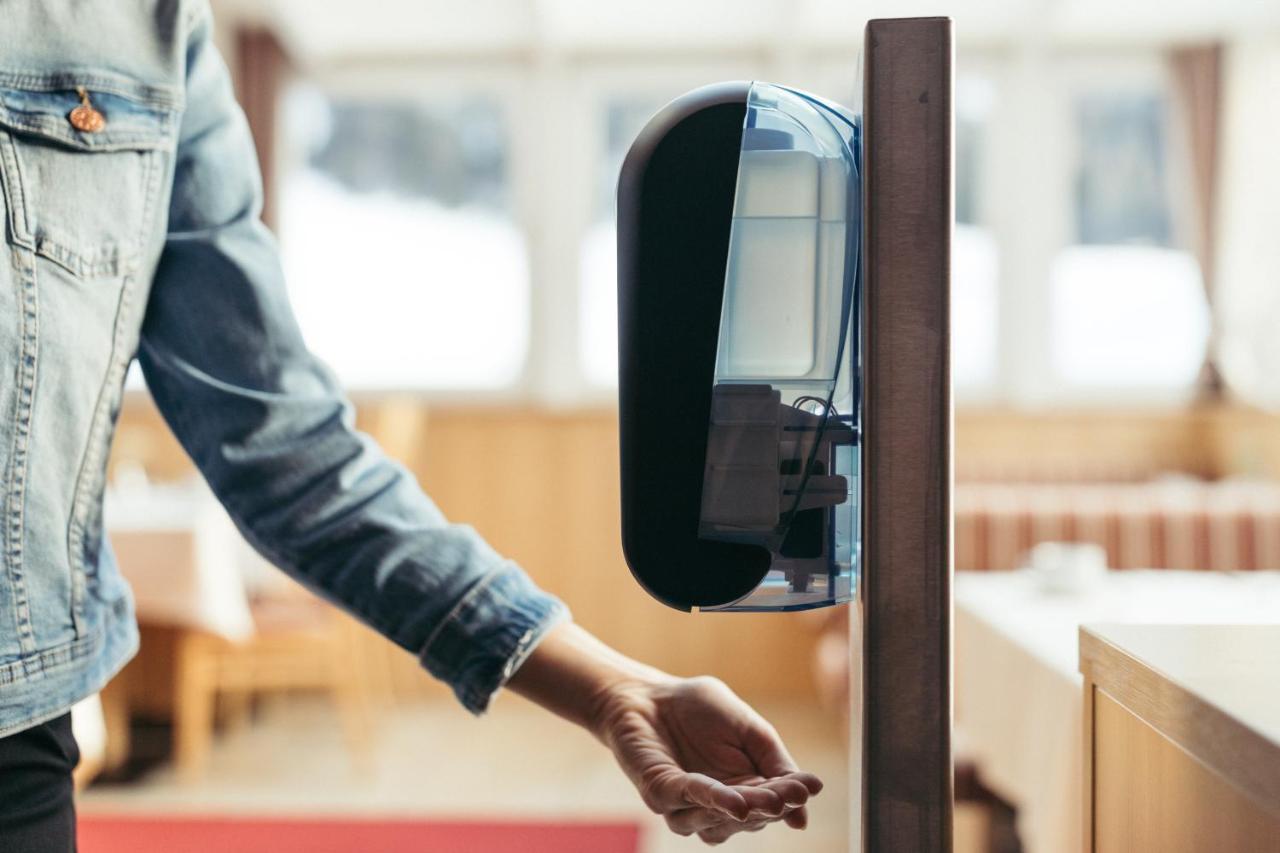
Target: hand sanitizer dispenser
x=739, y=222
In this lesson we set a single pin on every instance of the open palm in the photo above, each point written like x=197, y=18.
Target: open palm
x=703, y=759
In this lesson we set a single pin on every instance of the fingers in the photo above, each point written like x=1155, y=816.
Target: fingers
x=715, y=827
x=792, y=790
x=736, y=802
x=675, y=791
x=811, y=783
x=797, y=818
x=765, y=799
x=697, y=819
x=769, y=800
x=697, y=804
x=720, y=834
x=767, y=751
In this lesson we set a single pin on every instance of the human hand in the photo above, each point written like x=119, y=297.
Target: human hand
x=701, y=757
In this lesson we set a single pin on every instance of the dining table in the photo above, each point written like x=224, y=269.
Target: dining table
x=1018, y=689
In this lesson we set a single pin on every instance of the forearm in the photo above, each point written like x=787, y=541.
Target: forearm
x=574, y=675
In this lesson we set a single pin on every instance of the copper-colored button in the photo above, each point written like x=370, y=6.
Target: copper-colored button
x=85, y=118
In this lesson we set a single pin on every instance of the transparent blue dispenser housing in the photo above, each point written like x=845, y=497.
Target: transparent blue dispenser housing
x=782, y=446
x=779, y=469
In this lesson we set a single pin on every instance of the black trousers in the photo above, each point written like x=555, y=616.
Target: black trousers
x=37, y=802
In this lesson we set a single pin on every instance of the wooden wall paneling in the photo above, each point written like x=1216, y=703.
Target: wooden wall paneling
x=1105, y=444
x=543, y=486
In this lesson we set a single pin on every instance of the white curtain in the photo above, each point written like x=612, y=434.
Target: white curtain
x=1247, y=268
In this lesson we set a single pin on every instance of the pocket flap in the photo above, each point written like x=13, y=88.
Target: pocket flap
x=137, y=116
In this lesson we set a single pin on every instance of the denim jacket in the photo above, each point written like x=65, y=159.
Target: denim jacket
x=131, y=201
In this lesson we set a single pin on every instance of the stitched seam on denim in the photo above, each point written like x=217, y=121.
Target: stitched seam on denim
x=453, y=614
x=60, y=81
x=13, y=195
x=16, y=489
x=49, y=660
x=542, y=618
x=18, y=216
x=197, y=14
x=477, y=691
x=92, y=461
x=104, y=261
x=12, y=535
x=56, y=124
x=107, y=263
x=81, y=686
x=56, y=127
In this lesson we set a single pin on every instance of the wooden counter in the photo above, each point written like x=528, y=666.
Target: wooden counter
x=1181, y=738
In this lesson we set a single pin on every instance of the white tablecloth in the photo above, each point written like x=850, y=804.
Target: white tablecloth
x=182, y=556
x=1018, y=692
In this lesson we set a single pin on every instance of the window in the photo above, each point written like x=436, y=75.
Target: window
x=976, y=257
x=1128, y=309
x=1128, y=317
x=1121, y=186
x=405, y=264
x=975, y=98
x=1070, y=275
x=974, y=309
x=623, y=120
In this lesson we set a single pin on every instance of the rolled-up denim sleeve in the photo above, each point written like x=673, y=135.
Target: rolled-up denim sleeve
x=270, y=430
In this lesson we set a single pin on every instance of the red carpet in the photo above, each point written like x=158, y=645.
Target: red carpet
x=300, y=835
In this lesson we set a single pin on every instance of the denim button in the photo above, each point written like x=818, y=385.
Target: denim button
x=85, y=118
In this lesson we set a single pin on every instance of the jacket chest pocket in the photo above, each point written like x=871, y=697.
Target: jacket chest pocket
x=81, y=160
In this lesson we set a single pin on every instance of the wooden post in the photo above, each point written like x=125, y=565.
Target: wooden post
x=905, y=602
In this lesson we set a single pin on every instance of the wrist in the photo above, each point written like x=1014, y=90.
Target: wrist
x=576, y=676
x=624, y=691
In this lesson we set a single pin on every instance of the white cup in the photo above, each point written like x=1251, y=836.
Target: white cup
x=1067, y=567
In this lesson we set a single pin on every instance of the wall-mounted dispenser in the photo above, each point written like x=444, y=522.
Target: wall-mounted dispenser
x=739, y=222
x=784, y=316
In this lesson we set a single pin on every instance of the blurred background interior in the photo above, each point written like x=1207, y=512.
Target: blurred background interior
x=441, y=176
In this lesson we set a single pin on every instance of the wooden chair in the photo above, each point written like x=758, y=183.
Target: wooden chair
x=299, y=643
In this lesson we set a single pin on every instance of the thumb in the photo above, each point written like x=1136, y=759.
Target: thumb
x=766, y=750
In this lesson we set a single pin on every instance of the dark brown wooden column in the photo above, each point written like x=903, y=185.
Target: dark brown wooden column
x=905, y=606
